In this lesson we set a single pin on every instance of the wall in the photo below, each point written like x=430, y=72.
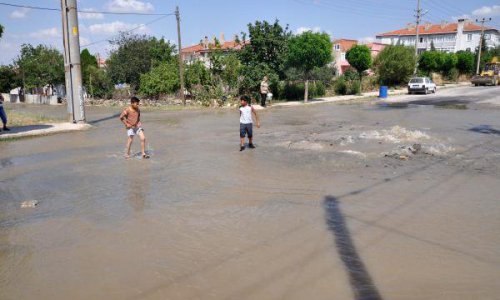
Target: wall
x=31, y=99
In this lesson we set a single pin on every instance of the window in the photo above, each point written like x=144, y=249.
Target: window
x=342, y=56
x=469, y=37
x=421, y=39
x=337, y=47
x=468, y=49
x=487, y=36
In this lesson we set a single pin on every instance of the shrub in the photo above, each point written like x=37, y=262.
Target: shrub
x=340, y=86
x=354, y=87
x=394, y=65
x=465, y=62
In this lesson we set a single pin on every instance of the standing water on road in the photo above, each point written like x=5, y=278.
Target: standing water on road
x=320, y=209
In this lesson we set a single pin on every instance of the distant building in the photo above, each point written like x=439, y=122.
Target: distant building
x=340, y=48
x=201, y=51
x=446, y=37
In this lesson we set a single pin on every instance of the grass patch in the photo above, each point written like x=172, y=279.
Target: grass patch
x=18, y=118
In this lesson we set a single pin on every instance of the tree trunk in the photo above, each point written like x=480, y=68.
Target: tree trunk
x=306, y=91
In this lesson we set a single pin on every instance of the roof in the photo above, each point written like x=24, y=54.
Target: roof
x=228, y=45
x=376, y=46
x=345, y=44
x=434, y=29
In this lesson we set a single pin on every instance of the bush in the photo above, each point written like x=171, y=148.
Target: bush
x=453, y=74
x=465, y=62
x=354, y=87
x=296, y=91
x=394, y=65
x=340, y=86
x=163, y=79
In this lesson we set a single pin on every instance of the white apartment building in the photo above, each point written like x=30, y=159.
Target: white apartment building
x=447, y=37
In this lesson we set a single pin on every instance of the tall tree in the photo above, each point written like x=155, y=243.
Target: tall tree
x=40, y=65
x=135, y=55
x=360, y=57
x=1, y=31
x=465, y=62
x=9, y=79
x=264, y=55
x=87, y=61
x=308, y=51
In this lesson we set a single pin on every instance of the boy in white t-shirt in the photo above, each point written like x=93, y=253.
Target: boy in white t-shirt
x=246, y=122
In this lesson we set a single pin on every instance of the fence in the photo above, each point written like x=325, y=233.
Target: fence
x=31, y=99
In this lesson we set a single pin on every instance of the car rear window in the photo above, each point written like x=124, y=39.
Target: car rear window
x=417, y=80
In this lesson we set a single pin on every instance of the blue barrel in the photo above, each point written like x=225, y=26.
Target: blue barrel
x=382, y=93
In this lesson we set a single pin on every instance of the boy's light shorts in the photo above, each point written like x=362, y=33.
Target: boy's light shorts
x=134, y=131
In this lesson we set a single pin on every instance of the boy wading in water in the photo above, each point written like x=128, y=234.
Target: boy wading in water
x=131, y=117
x=246, y=122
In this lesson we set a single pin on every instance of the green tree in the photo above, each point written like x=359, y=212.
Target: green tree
x=196, y=74
x=307, y=51
x=488, y=55
x=394, y=65
x=135, y=55
x=265, y=55
x=9, y=79
x=360, y=57
x=162, y=79
x=449, y=63
x=1, y=30
x=87, y=61
x=40, y=65
x=465, y=62
x=100, y=85
x=231, y=71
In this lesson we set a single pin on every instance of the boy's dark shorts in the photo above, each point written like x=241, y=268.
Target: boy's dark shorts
x=246, y=128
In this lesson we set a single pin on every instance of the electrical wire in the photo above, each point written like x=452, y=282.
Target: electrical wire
x=85, y=12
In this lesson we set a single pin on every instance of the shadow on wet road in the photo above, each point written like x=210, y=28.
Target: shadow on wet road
x=19, y=129
x=104, y=119
x=485, y=129
x=361, y=282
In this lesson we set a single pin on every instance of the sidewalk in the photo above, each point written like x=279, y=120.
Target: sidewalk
x=42, y=129
x=355, y=97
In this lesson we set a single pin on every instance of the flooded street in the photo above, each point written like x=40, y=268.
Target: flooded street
x=354, y=201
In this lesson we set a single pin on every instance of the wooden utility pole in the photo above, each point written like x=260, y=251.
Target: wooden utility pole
x=72, y=63
x=181, y=63
x=483, y=20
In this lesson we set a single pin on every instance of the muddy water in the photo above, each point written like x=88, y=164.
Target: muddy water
x=319, y=210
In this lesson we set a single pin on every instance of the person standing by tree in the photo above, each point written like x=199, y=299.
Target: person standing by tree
x=3, y=115
x=264, y=90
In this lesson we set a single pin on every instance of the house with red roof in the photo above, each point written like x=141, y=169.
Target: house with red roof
x=201, y=51
x=340, y=48
x=446, y=37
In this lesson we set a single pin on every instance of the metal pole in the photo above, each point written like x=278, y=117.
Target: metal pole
x=67, y=64
x=75, y=64
x=416, y=38
x=181, y=63
x=480, y=43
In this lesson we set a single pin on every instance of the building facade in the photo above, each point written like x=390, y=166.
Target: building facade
x=201, y=51
x=340, y=48
x=447, y=37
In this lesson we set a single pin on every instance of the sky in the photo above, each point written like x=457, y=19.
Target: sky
x=352, y=19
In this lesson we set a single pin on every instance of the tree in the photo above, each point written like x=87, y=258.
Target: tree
x=265, y=55
x=196, y=74
x=1, y=30
x=360, y=57
x=135, y=55
x=40, y=65
x=431, y=61
x=307, y=51
x=465, y=62
x=433, y=48
x=449, y=63
x=162, y=79
x=9, y=79
x=87, y=61
x=395, y=64
x=231, y=70
x=100, y=84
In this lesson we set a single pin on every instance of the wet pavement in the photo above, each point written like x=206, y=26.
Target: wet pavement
x=332, y=204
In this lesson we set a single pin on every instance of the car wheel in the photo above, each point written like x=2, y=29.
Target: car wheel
x=434, y=91
x=426, y=91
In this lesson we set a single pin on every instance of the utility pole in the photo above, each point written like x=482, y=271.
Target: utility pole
x=181, y=63
x=419, y=16
x=483, y=20
x=72, y=63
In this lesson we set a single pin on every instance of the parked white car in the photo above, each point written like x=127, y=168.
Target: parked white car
x=421, y=84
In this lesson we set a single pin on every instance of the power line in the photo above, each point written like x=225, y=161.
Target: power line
x=85, y=12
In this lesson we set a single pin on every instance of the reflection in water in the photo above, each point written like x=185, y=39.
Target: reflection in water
x=138, y=183
x=361, y=282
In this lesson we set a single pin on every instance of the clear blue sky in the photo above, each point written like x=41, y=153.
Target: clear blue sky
x=355, y=19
